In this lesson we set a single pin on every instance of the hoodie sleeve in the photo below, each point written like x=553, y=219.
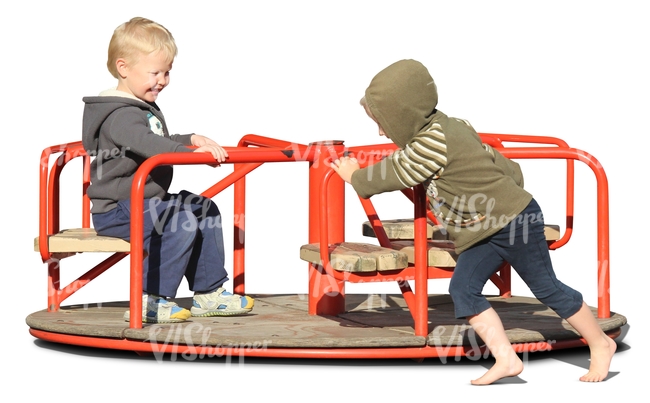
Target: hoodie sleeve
x=129, y=129
x=423, y=157
x=376, y=178
x=184, y=139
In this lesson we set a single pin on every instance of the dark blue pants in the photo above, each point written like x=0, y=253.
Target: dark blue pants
x=182, y=238
x=523, y=245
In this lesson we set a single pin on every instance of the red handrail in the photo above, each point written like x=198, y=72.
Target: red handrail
x=254, y=150
x=235, y=156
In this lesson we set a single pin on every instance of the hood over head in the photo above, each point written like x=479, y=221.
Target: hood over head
x=403, y=98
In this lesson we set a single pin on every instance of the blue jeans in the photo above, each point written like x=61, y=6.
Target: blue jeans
x=523, y=245
x=182, y=238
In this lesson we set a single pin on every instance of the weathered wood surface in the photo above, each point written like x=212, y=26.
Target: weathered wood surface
x=87, y=240
x=404, y=229
x=283, y=321
x=356, y=257
x=440, y=250
x=83, y=240
x=439, y=253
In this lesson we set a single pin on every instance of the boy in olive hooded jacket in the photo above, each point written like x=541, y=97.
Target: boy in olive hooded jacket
x=478, y=196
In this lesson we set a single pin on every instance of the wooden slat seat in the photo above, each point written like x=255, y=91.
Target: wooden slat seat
x=552, y=232
x=440, y=253
x=440, y=250
x=357, y=257
x=83, y=240
x=403, y=229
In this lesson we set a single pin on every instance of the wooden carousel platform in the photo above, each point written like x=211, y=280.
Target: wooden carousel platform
x=280, y=326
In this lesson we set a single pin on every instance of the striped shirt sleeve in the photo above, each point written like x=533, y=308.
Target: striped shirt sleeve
x=423, y=157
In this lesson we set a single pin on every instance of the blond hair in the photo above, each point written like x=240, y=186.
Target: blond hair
x=137, y=37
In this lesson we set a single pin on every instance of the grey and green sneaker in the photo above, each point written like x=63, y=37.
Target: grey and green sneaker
x=221, y=303
x=156, y=309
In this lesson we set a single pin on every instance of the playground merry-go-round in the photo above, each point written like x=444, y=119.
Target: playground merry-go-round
x=324, y=322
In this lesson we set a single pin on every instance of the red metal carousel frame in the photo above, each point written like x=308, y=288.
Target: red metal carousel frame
x=326, y=226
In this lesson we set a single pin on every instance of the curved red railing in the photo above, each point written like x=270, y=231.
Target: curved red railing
x=327, y=218
x=418, y=306
x=251, y=156
x=602, y=201
x=497, y=140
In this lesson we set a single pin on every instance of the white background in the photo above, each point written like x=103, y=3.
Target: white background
x=295, y=71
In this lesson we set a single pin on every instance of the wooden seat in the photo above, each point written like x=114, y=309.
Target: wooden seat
x=440, y=253
x=356, y=257
x=83, y=240
x=440, y=250
x=403, y=229
x=361, y=257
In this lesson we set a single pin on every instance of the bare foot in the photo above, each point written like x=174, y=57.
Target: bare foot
x=601, y=356
x=502, y=368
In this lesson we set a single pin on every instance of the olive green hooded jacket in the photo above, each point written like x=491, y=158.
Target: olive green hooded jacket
x=473, y=189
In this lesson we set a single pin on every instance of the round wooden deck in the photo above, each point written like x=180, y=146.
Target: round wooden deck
x=373, y=326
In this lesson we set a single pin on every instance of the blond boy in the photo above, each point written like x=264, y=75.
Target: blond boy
x=122, y=127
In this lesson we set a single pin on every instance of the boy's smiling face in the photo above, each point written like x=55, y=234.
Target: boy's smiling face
x=145, y=78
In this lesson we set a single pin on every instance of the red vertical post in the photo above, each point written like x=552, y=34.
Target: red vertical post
x=421, y=314
x=53, y=285
x=239, y=255
x=326, y=294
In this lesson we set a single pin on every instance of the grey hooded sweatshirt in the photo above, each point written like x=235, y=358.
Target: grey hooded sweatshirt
x=473, y=189
x=120, y=132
